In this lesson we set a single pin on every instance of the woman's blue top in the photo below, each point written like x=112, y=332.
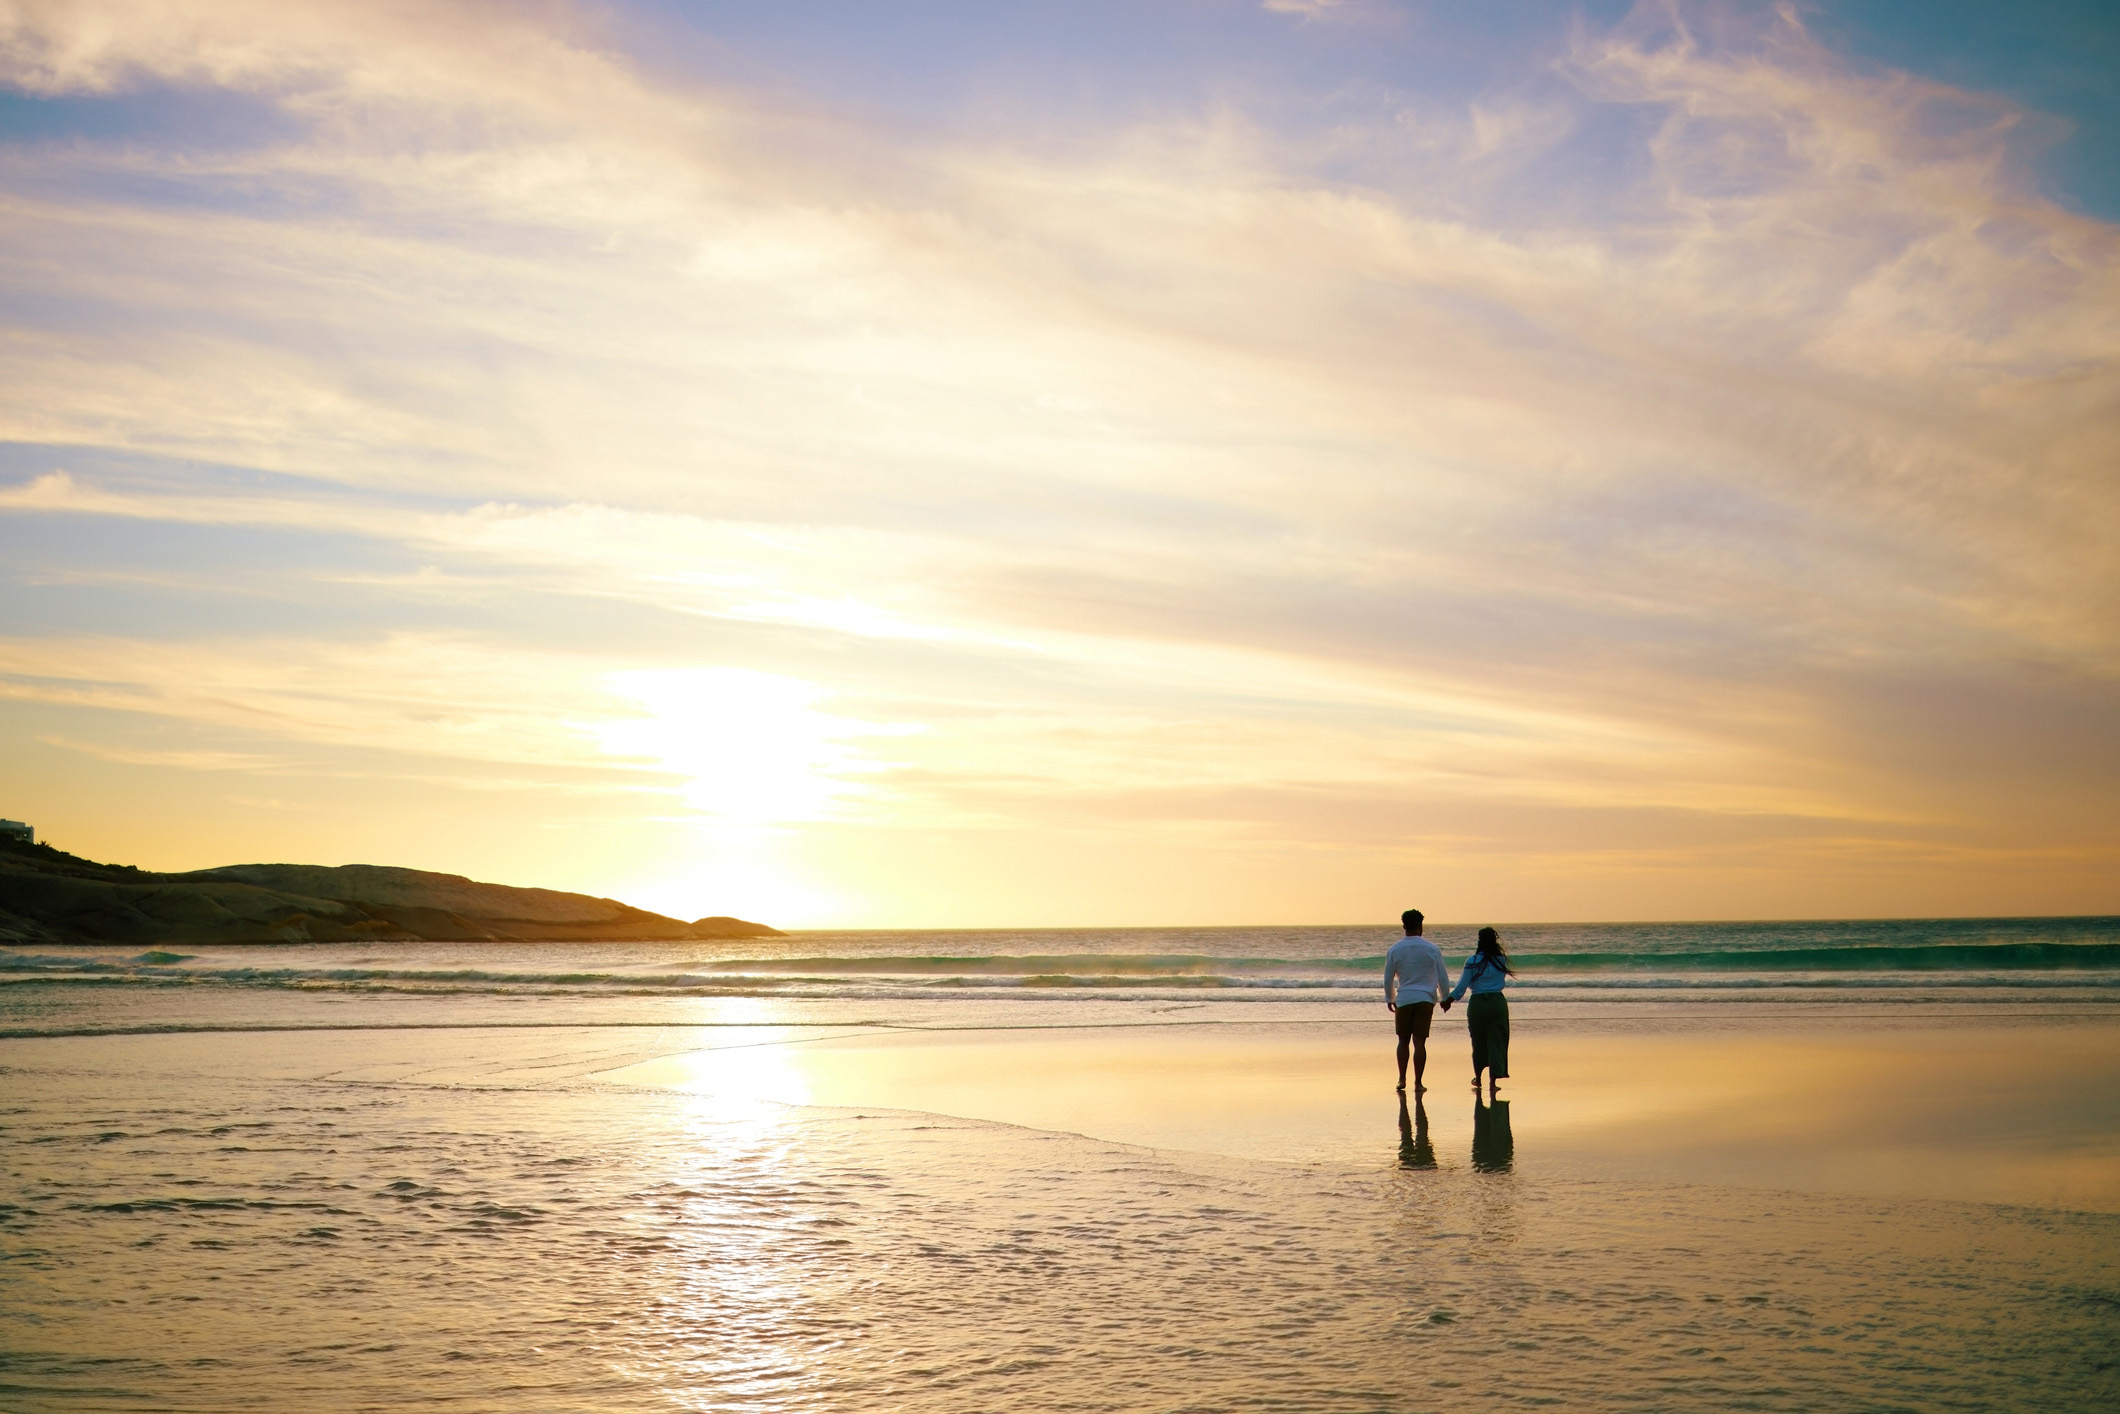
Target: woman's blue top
x=1482, y=975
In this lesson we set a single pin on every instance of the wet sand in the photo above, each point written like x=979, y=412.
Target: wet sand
x=1866, y=1210
x=1999, y=1113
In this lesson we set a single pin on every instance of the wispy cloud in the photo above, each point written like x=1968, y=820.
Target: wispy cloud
x=1306, y=9
x=180, y=759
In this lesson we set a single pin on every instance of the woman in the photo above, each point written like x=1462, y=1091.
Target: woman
x=1487, y=1014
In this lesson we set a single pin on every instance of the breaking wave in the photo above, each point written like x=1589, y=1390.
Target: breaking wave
x=1882, y=960
x=2076, y=966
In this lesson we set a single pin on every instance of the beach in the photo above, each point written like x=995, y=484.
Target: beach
x=314, y=1189
x=729, y=708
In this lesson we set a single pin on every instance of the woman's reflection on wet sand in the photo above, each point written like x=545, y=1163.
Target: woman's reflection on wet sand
x=1493, y=1145
x=1493, y=1142
x=1415, y=1152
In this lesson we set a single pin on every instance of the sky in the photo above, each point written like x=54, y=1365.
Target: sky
x=953, y=464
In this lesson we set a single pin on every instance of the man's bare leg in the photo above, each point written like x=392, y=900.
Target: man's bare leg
x=1420, y=1066
x=1402, y=1062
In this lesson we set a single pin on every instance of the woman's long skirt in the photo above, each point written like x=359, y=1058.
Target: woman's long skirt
x=1487, y=1018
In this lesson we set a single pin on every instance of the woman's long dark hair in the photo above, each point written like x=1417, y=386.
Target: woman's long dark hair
x=1492, y=950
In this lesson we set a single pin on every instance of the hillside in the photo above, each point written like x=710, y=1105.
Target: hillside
x=48, y=896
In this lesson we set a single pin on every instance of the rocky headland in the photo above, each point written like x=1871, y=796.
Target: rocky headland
x=48, y=896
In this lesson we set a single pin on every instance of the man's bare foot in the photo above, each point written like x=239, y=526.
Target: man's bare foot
x=1418, y=1089
x=1402, y=1087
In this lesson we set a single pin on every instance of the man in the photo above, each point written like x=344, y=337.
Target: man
x=1414, y=978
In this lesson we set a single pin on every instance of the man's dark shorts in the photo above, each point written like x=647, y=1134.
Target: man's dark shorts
x=1413, y=1020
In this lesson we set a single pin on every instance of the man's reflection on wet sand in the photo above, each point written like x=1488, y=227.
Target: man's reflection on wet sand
x=1493, y=1145
x=1415, y=1152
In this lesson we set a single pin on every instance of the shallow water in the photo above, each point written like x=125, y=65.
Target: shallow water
x=459, y=1206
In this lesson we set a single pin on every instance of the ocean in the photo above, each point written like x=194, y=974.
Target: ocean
x=1926, y=960
x=1777, y=1166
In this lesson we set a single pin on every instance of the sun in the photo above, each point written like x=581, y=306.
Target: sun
x=751, y=748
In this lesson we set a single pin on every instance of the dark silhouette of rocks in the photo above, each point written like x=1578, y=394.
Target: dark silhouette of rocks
x=49, y=896
x=720, y=925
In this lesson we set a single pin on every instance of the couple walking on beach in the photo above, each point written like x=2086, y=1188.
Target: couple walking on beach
x=1416, y=982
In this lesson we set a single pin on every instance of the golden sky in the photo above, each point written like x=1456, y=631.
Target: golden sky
x=1191, y=462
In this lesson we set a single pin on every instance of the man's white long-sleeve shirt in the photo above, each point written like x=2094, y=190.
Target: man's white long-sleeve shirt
x=1416, y=966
